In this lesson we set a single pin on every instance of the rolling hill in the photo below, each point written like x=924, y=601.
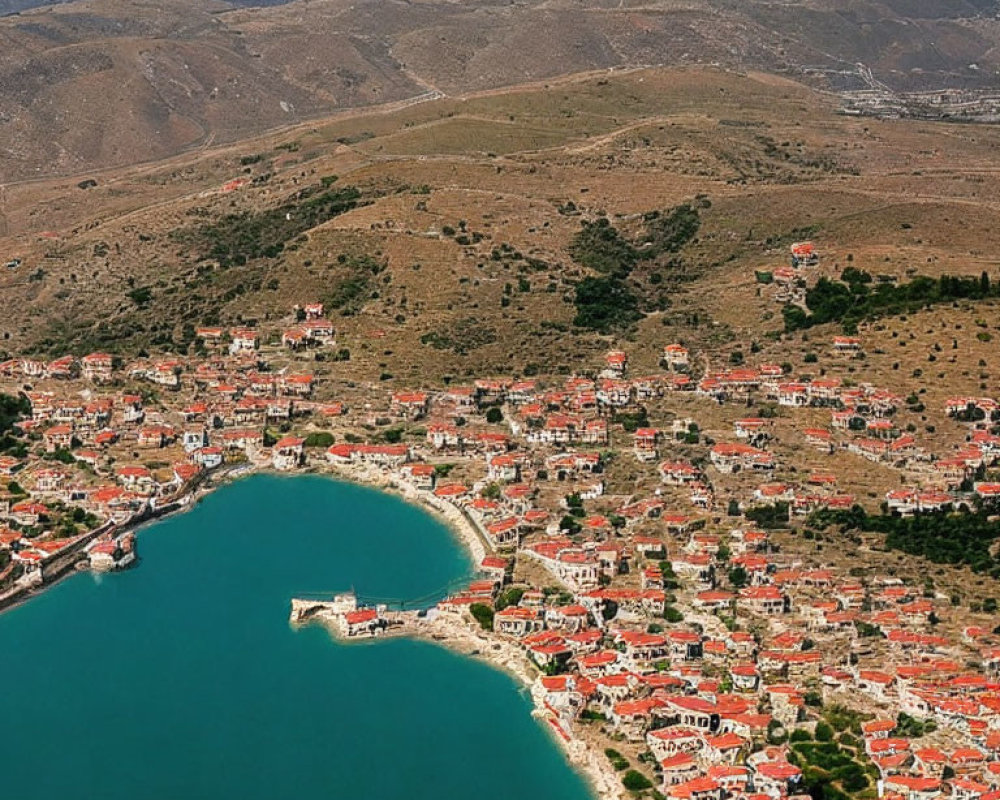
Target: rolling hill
x=453, y=226
x=106, y=83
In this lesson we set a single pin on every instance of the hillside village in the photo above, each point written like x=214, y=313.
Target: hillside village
x=666, y=578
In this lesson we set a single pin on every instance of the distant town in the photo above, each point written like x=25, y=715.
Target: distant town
x=670, y=639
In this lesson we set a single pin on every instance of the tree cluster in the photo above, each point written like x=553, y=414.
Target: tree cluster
x=944, y=538
x=613, y=300
x=852, y=299
x=238, y=238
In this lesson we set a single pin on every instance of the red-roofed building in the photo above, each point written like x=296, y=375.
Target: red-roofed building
x=776, y=778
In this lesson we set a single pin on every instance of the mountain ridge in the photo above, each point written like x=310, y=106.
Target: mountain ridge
x=106, y=83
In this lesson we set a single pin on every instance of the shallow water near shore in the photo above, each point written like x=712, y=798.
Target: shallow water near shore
x=183, y=677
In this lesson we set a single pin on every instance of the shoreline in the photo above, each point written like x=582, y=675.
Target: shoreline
x=453, y=519
x=442, y=630
x=181, y=504
x=505, y=656
x=460, y=527
x=463, y=640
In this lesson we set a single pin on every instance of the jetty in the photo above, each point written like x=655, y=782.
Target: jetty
x=345, y=618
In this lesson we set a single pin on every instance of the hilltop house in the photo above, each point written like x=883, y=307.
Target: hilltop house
x=675, y=356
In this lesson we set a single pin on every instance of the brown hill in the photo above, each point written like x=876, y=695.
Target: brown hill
x=101, y=83
x=447, y=227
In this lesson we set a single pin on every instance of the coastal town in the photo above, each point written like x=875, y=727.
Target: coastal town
x=682, y=561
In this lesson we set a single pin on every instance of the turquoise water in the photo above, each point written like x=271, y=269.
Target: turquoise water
x=183, y=679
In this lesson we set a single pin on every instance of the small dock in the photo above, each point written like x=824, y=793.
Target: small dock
x=346, y=618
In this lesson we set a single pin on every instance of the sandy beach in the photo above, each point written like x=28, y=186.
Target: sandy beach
x=456, y=521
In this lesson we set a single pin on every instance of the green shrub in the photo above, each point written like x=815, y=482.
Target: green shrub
x=605, y=305
x=483, y=614
x=631, y=421
x=669, y=233
x=851, y=777
x=941, y=537
x=635, y=781
x=769, y=517
x=511, y=597
x=238, y=238
x=319, y=439
x=351, y=292
x=618, y=761
x=141, y=296
x=600, y=247
x=738, y=577
x=847, y=740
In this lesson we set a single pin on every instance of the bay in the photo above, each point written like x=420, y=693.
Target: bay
x=182, y=678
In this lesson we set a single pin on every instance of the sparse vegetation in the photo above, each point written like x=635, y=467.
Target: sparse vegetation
x=236, y=239
x=350, y=293
x=465, y=335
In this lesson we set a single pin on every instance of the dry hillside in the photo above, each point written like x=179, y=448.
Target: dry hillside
x=454, y=254
x=106, y=83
